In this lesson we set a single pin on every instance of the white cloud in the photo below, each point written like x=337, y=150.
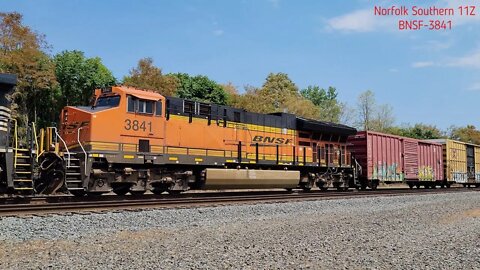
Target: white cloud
x=471, y=60
x=467, y=61
x=218, y=32
x=474, y=87
x=275, y=3
x=357, y=21
x=435, y=45
x=422, y=64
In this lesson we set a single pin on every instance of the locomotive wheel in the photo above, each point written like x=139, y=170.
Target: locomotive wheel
x=158, y=191
x=137, y=192
x=121, y=191
x=95, y=193
x=78, y=193
x=174, y=192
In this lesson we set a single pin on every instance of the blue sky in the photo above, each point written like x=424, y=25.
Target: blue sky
x=426, y=76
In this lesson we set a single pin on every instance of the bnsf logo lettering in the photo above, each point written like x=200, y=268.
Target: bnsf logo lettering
x=274, y=140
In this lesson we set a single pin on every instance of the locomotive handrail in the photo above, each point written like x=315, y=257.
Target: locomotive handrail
x=83, y=149
x=35, y=140
x=16, y=142
x=64, y=144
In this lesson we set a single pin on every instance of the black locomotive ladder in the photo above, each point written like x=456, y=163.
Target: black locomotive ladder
x=73, y=175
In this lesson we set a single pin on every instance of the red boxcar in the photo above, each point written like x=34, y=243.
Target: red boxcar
x=389, y=158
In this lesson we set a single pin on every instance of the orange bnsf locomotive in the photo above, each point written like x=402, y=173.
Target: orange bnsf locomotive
x=132, y=140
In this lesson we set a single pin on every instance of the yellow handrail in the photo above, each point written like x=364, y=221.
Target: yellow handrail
x=16, y=142
x=41, y=147
x=35, y=138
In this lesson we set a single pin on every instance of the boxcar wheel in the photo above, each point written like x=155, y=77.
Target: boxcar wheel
x=137, y=192
x=289, y=189
x=410, y=185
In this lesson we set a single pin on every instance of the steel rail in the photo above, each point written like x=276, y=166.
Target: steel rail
x=115, y=203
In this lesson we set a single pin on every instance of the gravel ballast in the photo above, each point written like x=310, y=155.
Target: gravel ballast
x=435, y=231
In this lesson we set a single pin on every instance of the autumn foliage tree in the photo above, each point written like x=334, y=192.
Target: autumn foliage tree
x=23, y=52
x=147, y=76
x=468, y=134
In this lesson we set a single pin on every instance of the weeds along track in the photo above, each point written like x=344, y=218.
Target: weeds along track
x=47, y=205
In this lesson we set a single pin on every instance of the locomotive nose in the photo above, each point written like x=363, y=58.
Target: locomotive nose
x=74, y=120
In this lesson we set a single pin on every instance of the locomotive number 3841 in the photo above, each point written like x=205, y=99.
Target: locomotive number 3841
x=136, y=125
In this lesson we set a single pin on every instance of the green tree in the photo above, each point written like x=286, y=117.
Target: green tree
x=277, y=89
x=326, y=100
x=78, y=76
x=469, y=134
x=147, y=76
x=23, y=52
x=200, y=88
x=425, y=132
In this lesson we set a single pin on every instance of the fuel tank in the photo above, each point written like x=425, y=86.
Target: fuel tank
x=250, y=179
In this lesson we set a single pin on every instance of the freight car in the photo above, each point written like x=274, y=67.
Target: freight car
x=131, y=140
x=461, y=162
x=394, y=159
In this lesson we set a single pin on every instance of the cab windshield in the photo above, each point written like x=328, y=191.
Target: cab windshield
x=108, y=101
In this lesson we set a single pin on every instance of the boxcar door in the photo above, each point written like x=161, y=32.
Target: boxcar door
x=470, y=162
x=410, y=159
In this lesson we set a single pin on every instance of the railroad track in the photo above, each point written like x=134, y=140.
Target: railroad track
x=68, y=204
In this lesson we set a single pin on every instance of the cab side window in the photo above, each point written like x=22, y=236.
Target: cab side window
x=158, y=108
x=131, y=102
x=139, y=105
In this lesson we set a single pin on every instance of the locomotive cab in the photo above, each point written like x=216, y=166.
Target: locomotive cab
x=118, y=116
